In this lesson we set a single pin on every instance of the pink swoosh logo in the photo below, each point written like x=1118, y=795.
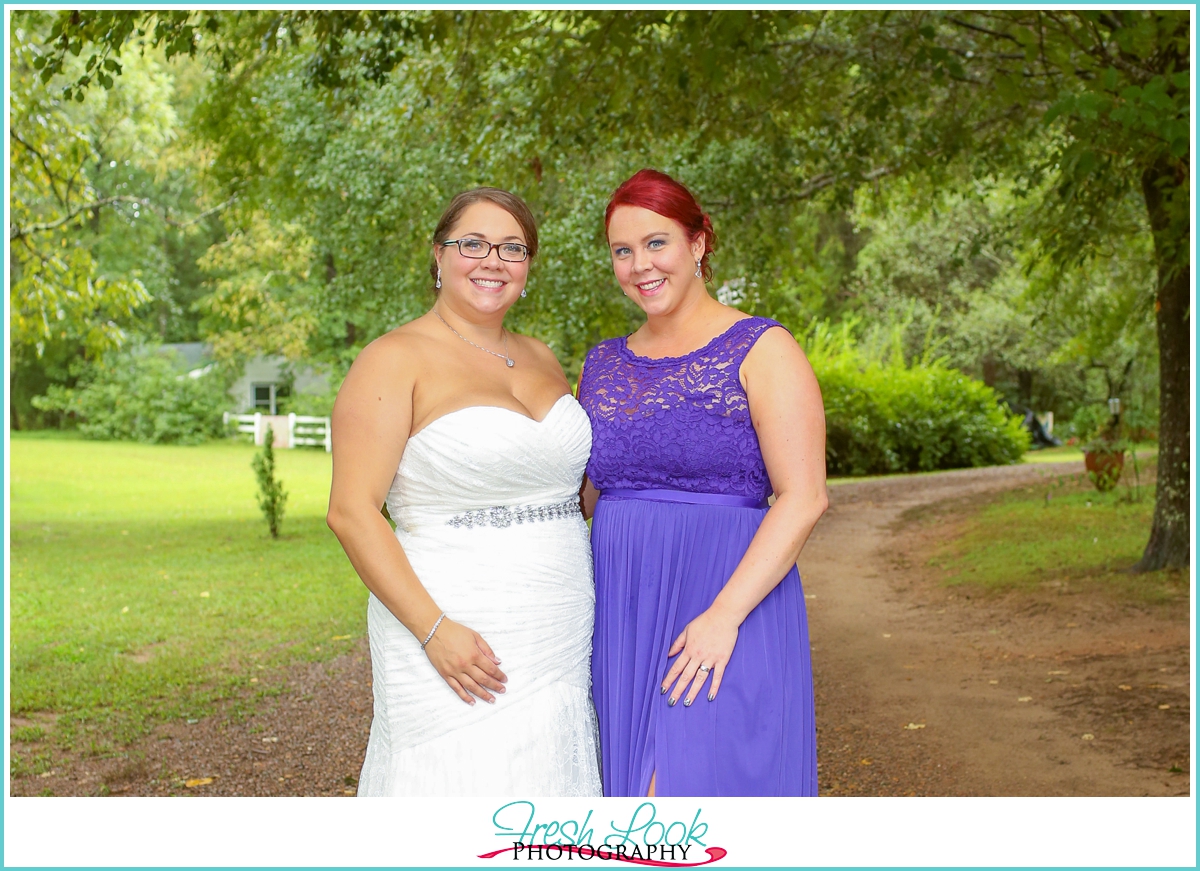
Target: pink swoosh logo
x=715, y=854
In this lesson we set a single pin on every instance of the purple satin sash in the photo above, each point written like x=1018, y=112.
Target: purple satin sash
x=685, y=496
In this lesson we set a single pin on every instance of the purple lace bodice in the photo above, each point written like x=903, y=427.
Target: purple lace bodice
x=680, y=423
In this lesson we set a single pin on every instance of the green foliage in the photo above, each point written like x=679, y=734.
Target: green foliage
x=101, y=251
x=957, y=268
x=59, y=292
x=1089, y=421
x=271, y=496
x=261, y=296
x=315, y=403
x=143, y=394
x=885, y=415
x=345, y=132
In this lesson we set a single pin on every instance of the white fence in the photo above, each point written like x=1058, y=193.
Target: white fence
x=302, y=429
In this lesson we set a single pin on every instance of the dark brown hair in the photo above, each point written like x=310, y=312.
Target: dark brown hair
x=661, y=194
x=510, y=202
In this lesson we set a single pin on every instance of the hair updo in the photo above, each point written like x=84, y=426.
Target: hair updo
x=510, y=202
x=661, y=194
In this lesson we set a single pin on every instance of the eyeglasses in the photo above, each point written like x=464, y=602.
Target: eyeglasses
x=477, y=249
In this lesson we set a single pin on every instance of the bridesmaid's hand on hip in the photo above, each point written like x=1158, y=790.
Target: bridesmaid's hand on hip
x=704, y=648
x=466, y=662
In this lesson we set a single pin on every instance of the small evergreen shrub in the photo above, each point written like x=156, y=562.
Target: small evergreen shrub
x=143, y=394
x=883, y=414
x=271, y=496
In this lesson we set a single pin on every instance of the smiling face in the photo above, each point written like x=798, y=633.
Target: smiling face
x=489, y=285
x=653, y=259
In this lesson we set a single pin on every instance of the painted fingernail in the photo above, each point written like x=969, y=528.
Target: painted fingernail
x=663, y=691
x=687, y=703
x=671, y=702
x=711, y=696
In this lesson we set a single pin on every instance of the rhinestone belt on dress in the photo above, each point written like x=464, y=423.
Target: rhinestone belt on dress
x=502, y=515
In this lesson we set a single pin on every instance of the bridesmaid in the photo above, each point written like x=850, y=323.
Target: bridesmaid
x=700, y=660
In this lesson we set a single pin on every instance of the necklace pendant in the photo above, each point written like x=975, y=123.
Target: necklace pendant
x=508, y=361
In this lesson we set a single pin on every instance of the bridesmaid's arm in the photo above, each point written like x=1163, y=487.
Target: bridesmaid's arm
x=371, y=421
x=789, y=418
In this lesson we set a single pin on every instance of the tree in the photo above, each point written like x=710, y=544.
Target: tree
x=58, y=290
x=1109, y=94
x=1080, y=108
x=101, y=235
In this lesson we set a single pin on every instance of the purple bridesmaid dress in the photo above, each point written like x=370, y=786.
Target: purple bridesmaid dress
x=683, y=490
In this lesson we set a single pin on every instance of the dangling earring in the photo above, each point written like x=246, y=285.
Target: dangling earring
x=438, y=283
x=698, y=272
x=523, y=293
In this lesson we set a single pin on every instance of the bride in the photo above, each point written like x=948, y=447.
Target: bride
x=480, y=613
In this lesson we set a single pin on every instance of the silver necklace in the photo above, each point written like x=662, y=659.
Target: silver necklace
x=508, y=361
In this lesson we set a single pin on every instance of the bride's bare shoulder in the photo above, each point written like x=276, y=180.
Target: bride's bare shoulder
x=393, y=362
x=405, y=347
x=539, y=351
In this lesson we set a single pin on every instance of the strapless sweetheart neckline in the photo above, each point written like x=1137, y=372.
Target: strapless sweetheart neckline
x=526, y=587
x=532, y=420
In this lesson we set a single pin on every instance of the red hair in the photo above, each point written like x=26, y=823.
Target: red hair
x=661, y=194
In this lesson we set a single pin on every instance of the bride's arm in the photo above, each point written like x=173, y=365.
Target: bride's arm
x=371, y=421
x=588, y=494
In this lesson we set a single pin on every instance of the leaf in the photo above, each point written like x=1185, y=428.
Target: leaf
x=341, y=637
x=1088, y=736
x=198, y=781
x=1025, y=699
x=913, y=726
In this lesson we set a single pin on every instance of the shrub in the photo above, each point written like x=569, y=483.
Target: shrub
x=883, y=414
x=271, y=496
x=315, y=403
x=143, y=394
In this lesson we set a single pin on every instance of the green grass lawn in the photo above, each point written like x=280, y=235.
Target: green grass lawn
x=1078, y=536
x=1061, y=454
x=144, y=582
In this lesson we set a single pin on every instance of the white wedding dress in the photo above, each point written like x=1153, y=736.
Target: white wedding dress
x=485, y=503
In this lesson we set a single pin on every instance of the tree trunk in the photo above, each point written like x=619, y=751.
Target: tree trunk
x=14, y=420
x=1025, y=388
x=1170, y=533
x=989, y=369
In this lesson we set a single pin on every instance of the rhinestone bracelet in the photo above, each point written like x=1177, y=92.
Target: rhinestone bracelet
x=502, y=515
x=429, y=637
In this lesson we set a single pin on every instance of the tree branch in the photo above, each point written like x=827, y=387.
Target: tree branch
x=42, y=160
x=47, y=226
x=996, y=33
